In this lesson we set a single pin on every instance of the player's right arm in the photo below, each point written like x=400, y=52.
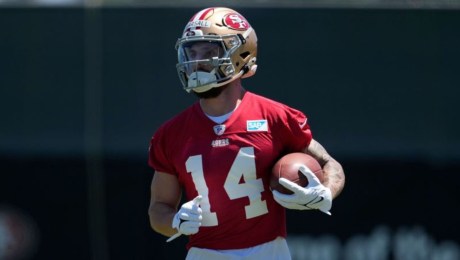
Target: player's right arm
x=165, y=196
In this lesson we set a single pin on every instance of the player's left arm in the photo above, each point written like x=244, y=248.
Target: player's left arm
x=334, y=176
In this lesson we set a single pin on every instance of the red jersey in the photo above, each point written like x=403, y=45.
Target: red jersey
x=229, y=164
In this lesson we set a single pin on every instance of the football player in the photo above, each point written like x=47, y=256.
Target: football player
x=219, y=151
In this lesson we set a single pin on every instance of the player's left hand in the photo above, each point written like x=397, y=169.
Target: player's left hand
x=314, y=196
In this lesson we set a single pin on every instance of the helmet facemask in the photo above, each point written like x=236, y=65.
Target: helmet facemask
x=205, y=61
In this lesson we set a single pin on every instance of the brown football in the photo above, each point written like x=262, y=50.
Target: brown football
x=288, y=167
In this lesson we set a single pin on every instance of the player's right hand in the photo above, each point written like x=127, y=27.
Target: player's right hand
x=188, y=219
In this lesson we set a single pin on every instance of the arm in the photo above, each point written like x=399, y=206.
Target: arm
x=334, y=177
x=165, y=195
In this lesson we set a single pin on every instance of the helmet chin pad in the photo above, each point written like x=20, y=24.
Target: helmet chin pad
x=201, y=78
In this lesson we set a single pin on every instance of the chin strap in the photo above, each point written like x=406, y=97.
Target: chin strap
x=212, y=85
x=198, y=78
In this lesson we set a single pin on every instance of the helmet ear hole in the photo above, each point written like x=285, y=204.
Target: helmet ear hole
x=244, y=54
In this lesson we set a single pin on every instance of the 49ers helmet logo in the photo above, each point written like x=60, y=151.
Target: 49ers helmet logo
x=236, y=21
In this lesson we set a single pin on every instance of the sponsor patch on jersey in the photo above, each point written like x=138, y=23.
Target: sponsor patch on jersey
x=257, y=125
x=219, y=129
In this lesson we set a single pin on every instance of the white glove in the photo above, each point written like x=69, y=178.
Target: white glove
x=314, y=196
x=187, y=220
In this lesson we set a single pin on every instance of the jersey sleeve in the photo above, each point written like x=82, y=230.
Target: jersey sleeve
x=298, y=133
x=158, y=159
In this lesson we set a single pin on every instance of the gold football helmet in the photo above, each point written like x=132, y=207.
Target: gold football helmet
x=217, y=46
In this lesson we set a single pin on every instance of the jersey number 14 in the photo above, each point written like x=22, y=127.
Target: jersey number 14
x=243, y=166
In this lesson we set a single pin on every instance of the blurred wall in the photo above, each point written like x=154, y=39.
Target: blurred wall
x=81, y=88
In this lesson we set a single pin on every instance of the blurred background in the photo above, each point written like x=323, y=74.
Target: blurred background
x=84, y=84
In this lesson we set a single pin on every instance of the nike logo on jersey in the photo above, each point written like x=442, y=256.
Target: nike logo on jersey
x=219, y=129
x=303, y=124
x=257, y=125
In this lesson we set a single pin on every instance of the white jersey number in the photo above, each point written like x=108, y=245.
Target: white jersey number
x=243, y=166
